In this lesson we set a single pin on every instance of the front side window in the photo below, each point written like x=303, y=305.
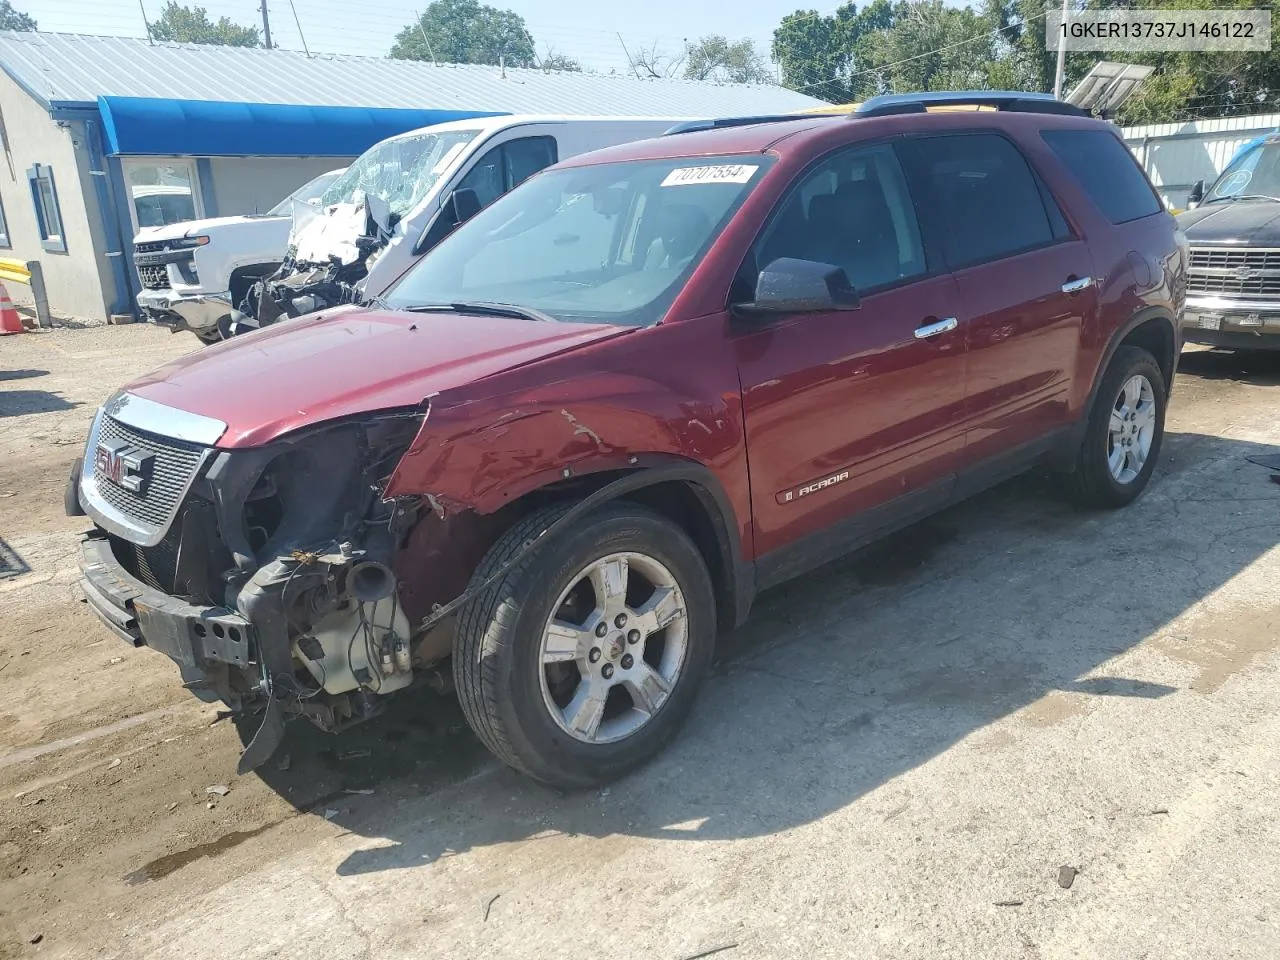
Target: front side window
x=400, y=172
x=44, y=196
x=852, y=211
x=612, y=243
x=983, y=195
x=507, y=166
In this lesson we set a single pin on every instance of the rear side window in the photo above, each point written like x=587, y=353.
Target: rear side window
x=1107, y=171
x=985, y=200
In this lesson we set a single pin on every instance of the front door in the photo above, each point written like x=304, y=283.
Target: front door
x=853, y=417
x=1026, y=282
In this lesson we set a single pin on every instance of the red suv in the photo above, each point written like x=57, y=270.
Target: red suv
x=576, y=440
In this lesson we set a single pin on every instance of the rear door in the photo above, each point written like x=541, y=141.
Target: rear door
x=852, y=417
x=1026, y=281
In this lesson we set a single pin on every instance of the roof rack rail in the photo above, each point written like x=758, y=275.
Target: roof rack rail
x=1013, y=101
x=690, y=126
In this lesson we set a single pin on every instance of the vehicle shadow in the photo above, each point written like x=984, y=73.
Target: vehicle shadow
x=21, y=374
x=1258, y=367
x=11, y=562
x=1014, y=602
x=21, y=403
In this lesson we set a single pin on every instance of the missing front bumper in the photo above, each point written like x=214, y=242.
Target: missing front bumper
x=200, y=640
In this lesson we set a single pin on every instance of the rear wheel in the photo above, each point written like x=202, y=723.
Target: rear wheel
x=1122, y=439
x=584, y=659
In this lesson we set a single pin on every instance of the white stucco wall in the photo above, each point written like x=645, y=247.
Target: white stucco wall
x=256, y=184
x=75, y=279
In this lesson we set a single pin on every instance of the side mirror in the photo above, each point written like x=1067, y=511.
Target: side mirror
x=1196, y=195
x=464, y=203
x=788, y=285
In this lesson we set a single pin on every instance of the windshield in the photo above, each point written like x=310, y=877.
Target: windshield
x=400, y=171
x=1255, y=173
x=309, y=192
x=611, y=243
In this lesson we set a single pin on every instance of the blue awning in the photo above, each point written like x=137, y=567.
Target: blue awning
x=138, y=126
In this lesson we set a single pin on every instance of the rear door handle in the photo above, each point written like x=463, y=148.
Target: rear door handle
x=945, y=325
x=1076, y=284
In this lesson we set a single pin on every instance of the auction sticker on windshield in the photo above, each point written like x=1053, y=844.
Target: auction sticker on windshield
x=721, y=173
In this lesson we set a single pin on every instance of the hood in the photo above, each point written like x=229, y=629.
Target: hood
x=349, y=361
x=192, y=228
x=1253, y=223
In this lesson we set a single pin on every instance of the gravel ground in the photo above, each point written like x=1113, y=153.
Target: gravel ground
x=1015, y=730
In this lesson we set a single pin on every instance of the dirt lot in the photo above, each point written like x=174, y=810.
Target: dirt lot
x=895, y=758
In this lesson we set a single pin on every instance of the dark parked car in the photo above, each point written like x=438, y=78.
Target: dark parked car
x=1233, y=285
x=579, y=438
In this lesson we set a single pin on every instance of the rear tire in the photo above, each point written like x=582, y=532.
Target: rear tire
x=584, y=659
x=1123, y=436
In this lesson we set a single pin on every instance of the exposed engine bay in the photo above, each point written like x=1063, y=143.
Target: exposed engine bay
x=326, y=264
x=275, y=586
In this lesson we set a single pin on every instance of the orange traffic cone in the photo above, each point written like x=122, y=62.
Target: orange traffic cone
x=10, y=322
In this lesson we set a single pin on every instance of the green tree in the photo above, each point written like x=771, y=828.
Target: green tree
x=827, y=56
x=715, y=58
x=1193, y=85
x=11, y=19
x=192, y=25
x=465, y=31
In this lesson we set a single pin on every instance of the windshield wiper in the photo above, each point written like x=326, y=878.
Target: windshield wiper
x=484, y=307
x=1246, y=196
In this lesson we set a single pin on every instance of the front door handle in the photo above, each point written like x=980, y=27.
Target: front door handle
x=1075, y=284
x=945, y=325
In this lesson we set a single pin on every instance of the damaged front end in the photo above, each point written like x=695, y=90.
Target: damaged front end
x=329, y=257
x=266, y=574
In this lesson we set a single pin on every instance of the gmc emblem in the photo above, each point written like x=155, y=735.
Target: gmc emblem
x=123, y=464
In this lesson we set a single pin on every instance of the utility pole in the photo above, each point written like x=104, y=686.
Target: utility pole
x=266, y=26
x=150, y=39
x=1062, y=49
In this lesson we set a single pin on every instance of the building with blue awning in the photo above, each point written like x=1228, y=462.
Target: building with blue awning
x=104, y=135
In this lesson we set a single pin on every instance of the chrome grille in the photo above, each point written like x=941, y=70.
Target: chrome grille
x=1235, y=272
x=173, y=465
x=154, y=246
x=154, y=278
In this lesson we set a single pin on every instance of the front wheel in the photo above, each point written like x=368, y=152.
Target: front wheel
x=1123, y=436
x=584, y=659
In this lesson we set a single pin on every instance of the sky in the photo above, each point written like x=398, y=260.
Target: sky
x=586, y=30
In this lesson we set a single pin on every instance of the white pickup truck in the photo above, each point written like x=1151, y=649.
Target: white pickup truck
x=193, y=272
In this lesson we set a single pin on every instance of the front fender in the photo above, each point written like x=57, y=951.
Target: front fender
x=482, y=454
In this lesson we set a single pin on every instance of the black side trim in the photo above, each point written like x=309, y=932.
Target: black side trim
x=808, y=553
x=858, y=531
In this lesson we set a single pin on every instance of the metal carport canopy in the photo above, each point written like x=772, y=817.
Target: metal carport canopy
x=143, y=126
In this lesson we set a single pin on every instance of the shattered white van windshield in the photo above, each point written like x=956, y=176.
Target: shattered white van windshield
x=400, y=171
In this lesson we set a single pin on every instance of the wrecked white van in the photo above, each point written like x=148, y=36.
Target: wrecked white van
x=405, y=194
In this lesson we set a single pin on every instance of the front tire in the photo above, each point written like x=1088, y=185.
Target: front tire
x=1125, y=430
x=584, y=659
